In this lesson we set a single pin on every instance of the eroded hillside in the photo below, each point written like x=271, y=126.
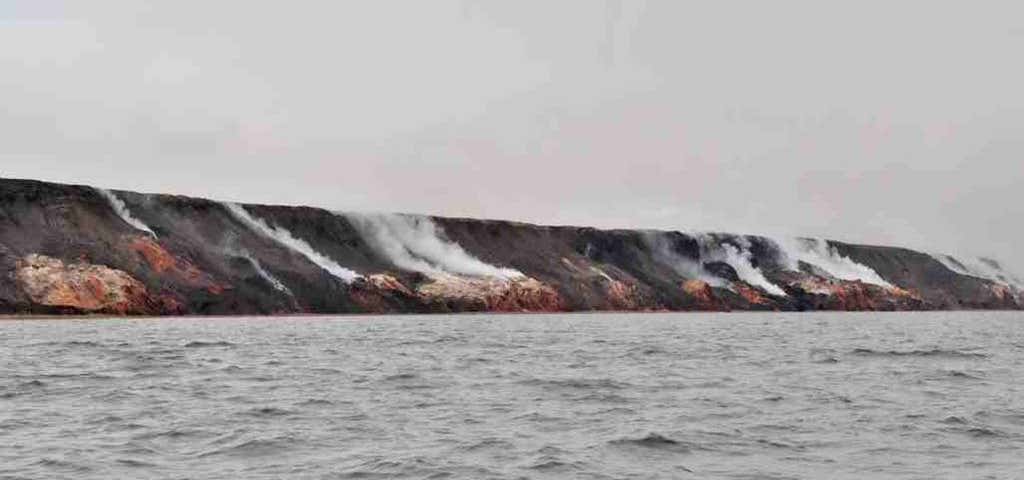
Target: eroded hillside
x=77, y=249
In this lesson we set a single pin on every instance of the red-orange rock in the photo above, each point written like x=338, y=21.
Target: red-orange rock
x=622, y=296
x=90, y=288
x=750, y=294
x=165, y=263
x=384, y=281
x=158, y=259
x=702, y=293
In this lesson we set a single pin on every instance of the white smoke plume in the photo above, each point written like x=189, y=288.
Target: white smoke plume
x=284, y=237
x=952, y=263
x=995, y=271
x=265, y=275
x=739, y=258
x=981, y=268
x=820, y=254
x=413, y=243
x=683, y=266
x=122, y=211
x=601, y=273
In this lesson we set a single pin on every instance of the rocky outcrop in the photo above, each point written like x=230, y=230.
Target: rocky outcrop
x=489, y=294
x=73, y=249
x=703, y=294
x=81, y=287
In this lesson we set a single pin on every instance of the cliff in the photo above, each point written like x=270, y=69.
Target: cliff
x=68, y=249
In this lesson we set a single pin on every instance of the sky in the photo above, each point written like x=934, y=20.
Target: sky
x=884, y=122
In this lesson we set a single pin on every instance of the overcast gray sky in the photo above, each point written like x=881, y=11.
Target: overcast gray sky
x=871, y=121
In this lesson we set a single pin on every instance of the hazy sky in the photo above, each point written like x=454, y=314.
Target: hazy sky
x=897, y=122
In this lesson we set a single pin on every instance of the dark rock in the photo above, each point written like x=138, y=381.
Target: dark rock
x=204, y=260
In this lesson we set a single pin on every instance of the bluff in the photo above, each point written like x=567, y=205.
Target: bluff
x=71, y=249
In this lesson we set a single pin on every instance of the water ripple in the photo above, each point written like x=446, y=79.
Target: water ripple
x=752, y=395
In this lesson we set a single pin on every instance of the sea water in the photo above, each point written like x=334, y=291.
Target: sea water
x=603, y=396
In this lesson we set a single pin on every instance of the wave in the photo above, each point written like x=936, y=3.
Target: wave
x=174, y=434
x=961, y=375
x=284, y=237
x=604, y=398
x=129, y=462
x=414, y=243
x=72, y=343
x=823, y=355
x=779, y=445
x=61, y=464
x=489, y=443
x=253, y=448
x=22, y=388
x=202, y=344
x=79, y=375
x=955, y=420
x=537, y=417
x=547, y=464
x=578, y=383
x=654, y=441
x=401, y=377
x=933, y=353
x=268, y=412
x=985, y=432
x=409, y=381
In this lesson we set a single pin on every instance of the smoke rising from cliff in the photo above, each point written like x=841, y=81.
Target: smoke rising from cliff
x=232, y=249
x=684, y=266
x=951, y=263
x=414, y=243
x=492, y=107
x=739, y=258
x=122, y=211
x=263, y=273
x=285, y=238
x=740, y=261
x=981, y=268
x=819, y=253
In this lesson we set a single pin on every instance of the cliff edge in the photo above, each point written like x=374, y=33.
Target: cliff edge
x=69, y=249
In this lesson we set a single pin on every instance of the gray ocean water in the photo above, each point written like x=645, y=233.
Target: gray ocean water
x=745, y=396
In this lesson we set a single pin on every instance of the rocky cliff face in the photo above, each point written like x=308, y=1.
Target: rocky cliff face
x=76, y=249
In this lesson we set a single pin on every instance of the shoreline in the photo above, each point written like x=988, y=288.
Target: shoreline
x=314, y=316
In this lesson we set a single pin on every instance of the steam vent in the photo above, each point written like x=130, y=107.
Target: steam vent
x=68, y=249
